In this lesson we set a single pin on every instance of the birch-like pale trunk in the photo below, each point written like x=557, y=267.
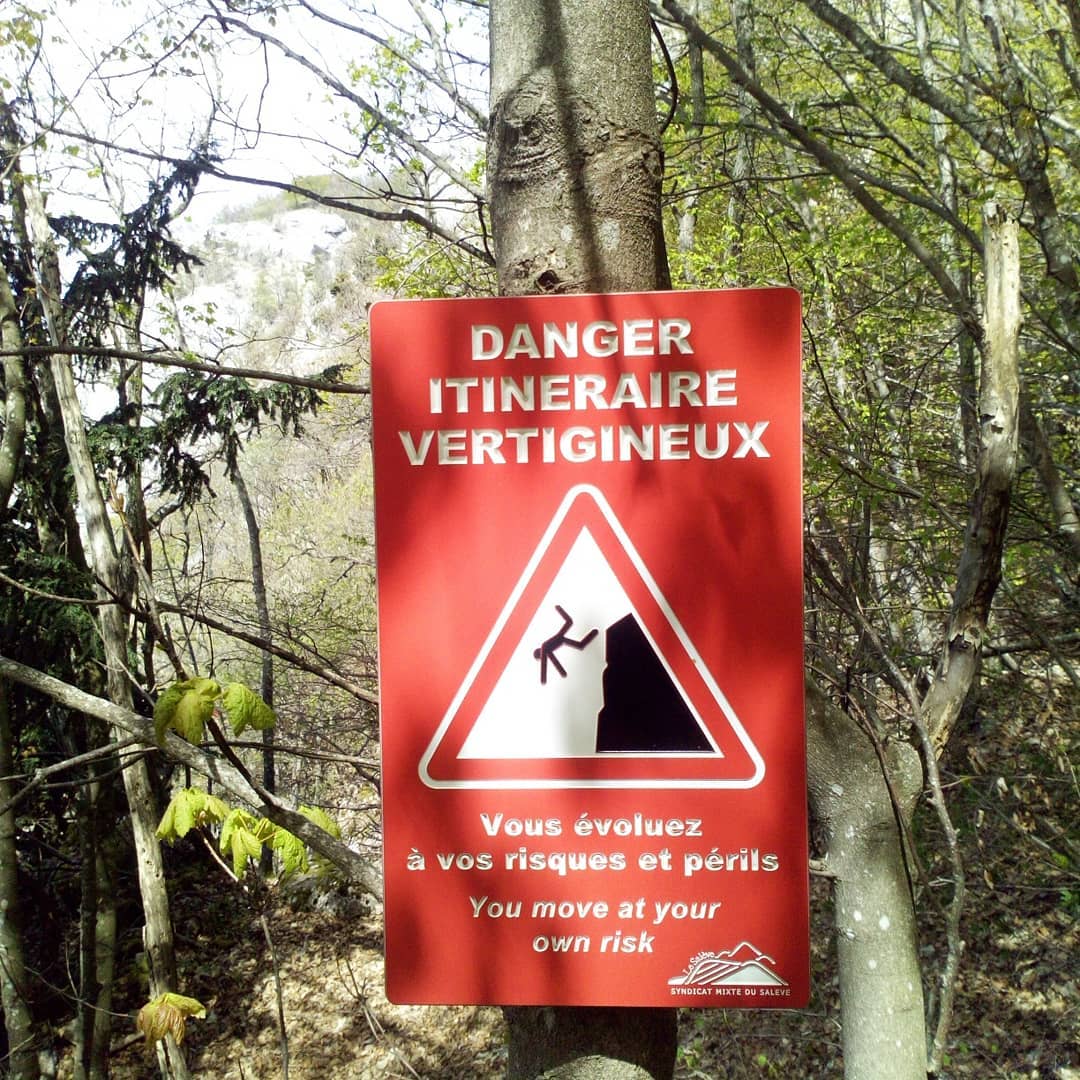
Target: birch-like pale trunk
x=979, y=572
x=262, y=607
x=157, y=932
x=18, y=1020
x=21, y=1062
x=11, y=445
x=105, y=561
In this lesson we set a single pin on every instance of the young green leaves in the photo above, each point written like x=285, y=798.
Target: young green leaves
x=188, y=809
x=185, y=707
x=245, y=709
x=243, y=834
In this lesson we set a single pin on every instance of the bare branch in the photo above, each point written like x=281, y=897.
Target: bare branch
x=40, y=776
x=339, y=88
x=310, y=666
x=438, y=77
x=833, y=162
x=346, y=203
x=164, y=358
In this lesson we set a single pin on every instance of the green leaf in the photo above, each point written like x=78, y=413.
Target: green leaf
x=245, y=709
x=291, y=849
x=185, y=707
x=185, y=814
x=166, y=829
x=322, y=819
x=165, y=710
x=195, y=707
x=212, y=809
x=239, y=840
x=234, y=820
x=188, y=808
x=321, y=865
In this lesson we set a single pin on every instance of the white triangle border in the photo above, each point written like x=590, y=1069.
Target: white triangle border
x=565, y=783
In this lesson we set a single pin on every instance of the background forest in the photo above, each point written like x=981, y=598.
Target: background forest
x=200, y=202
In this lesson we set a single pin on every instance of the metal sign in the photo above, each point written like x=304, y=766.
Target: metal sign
x=588, y=519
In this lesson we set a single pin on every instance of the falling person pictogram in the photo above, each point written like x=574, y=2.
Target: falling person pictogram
x=546, y=652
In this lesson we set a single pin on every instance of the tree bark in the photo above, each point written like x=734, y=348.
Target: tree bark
x=591, y=1043
x=11, y=446
x=881, y=996
x=18, y=1021
x=742, y=15
x=574, y=170
x=83, y=1055
x=957, y=266
x=262, y=606
x=105, y=960
x=157, y=933
x=979, y=571
x=574, y=154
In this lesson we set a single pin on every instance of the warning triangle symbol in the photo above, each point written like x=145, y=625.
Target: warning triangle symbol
x=588, y=679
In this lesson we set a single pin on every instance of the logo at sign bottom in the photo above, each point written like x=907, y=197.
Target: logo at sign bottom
x=744, y=971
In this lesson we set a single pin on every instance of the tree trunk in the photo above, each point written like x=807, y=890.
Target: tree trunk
x=21, y=1059
x=22, y=1062
x=573, y=153
x=157, y=932
x=742, y=15
x=957, y=266
x=262, y=606
x=11, y=446
x=104, y=958
x=881, y=997
x=979, y=572
x=590, y=1043
x=85, y=1026
x=574, y=176
x=695, y=61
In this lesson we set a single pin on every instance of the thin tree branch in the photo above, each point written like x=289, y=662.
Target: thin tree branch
x=339, y=88
x=165, y=358
x=350, y=205
x=310, y=666
x=39, y=777
x=436, y=78
x=834, y=163
x=352, y=863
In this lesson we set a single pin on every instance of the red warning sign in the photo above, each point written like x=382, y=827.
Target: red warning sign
x=613, y=695
x=589, y=561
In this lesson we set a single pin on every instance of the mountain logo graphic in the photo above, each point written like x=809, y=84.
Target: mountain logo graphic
x=744, y=965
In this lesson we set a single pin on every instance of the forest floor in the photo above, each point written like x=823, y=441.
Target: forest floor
x=1014, y=801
